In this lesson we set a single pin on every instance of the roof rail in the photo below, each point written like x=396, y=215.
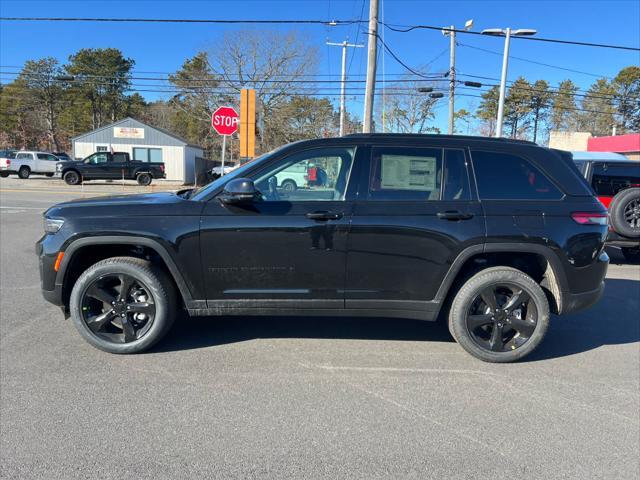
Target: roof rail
x=431, y=135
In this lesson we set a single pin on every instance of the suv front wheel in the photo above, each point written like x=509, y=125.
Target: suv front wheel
x=123, y=305
x=499, y=315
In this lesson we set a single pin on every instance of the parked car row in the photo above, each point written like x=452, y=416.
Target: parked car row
x=98, y=166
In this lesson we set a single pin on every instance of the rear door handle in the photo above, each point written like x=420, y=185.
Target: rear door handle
x=324, y=215
x=454, y=215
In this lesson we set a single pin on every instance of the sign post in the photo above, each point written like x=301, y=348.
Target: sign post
x=225, y=122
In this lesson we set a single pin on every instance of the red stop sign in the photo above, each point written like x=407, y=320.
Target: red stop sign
x=225, y=121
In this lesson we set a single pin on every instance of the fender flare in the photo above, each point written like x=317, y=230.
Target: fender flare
x=174, y=271
x=553, y=261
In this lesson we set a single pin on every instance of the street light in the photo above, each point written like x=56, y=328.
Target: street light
x=507, y=32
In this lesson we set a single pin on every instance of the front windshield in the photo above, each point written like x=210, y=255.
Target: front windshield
x=202, y=192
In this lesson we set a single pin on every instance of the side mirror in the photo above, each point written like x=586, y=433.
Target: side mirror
x=239, y=190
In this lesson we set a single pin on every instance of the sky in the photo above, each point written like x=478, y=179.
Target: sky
x=164, y=47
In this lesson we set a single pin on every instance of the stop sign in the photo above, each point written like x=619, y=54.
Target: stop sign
x=225, y=121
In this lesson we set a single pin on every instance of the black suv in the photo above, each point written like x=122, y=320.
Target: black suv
x=491, y=234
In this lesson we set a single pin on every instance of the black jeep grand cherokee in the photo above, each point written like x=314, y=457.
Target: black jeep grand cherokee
x=491, y=234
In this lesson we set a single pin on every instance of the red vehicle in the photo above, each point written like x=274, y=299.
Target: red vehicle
x=616, y=181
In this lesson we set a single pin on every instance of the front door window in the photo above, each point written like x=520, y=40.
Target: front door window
x=314, y=175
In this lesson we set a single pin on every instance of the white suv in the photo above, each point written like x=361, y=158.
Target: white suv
x=24, y=163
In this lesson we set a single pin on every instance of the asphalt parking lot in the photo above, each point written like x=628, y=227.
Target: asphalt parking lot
x=305, y=397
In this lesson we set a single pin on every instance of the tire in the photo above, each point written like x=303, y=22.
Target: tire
x=624, y=213
x=469, y=308
x=162, y=298
x=4, y=174
x=631, y=255
x=289, y=186
x=24, y=172
x=144, y=179
x=49, y=175
x=71, y=177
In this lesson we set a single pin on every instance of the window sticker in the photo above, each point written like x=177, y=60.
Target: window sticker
x=403, y=172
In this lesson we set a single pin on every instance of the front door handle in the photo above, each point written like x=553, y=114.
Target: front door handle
x=454, y=215
x=324, y=215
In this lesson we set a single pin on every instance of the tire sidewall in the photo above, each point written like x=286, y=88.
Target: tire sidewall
x=67, y=176
x=616, y=212
x=471, y=289
x=289, y=186
x=24, y=172
x=152, y=279
x=142, y=179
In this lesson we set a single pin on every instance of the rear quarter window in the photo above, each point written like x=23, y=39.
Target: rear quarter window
x=503, y=176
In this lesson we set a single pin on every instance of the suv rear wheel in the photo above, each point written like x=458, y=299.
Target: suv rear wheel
x=123, y=305
x=499, y=315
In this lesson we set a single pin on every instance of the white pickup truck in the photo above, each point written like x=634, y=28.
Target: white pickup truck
x=24, y=163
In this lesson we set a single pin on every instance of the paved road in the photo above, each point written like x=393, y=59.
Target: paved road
x=308, y=398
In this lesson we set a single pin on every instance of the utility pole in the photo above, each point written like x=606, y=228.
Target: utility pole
x=452, y=76
x=372, y=52
x=344, y=46
x=451, y=32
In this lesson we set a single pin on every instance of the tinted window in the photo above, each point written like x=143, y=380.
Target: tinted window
x=97, y=158
x=312, y=175
x=405, y=173
x=456, y=179
x=24, y=156
x=120, y=157
x=502, y=176
x=609, y=179
x=581, y=166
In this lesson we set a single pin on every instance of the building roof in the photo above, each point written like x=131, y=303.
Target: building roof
x=136, y=121
x=617, y=143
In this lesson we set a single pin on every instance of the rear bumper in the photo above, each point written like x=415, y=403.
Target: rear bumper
x=616, y=240
x=576, y=302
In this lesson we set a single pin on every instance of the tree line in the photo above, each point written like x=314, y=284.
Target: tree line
x=531, y=110
x=50, y=102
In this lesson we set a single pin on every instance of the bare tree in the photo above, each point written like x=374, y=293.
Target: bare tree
x=270, y=62
x=403, y=109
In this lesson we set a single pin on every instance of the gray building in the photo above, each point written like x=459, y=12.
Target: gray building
x=145, y=143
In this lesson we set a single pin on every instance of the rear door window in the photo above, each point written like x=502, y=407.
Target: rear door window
x=405, y=174
x=608, y=178
x=503, y=176
x=24, y=156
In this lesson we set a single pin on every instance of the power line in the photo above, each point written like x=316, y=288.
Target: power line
x=395, y=57
x=534, y=61
x=409, y=28
x=396, y=28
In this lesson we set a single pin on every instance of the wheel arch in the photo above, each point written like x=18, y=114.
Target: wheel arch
x=537, y=261
x=84, y=252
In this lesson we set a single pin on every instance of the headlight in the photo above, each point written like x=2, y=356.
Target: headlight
x=58, y=167
x=52, y=225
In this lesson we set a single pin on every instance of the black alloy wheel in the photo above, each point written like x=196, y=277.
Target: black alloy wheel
x=500, y=314
x=144, y=179
x=632, y=213
x=502, y=318
x=72, y=178
x=118, y=308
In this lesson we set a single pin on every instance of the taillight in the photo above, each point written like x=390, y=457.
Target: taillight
x=162, y=168
x=7, y=162
x=589, y=218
